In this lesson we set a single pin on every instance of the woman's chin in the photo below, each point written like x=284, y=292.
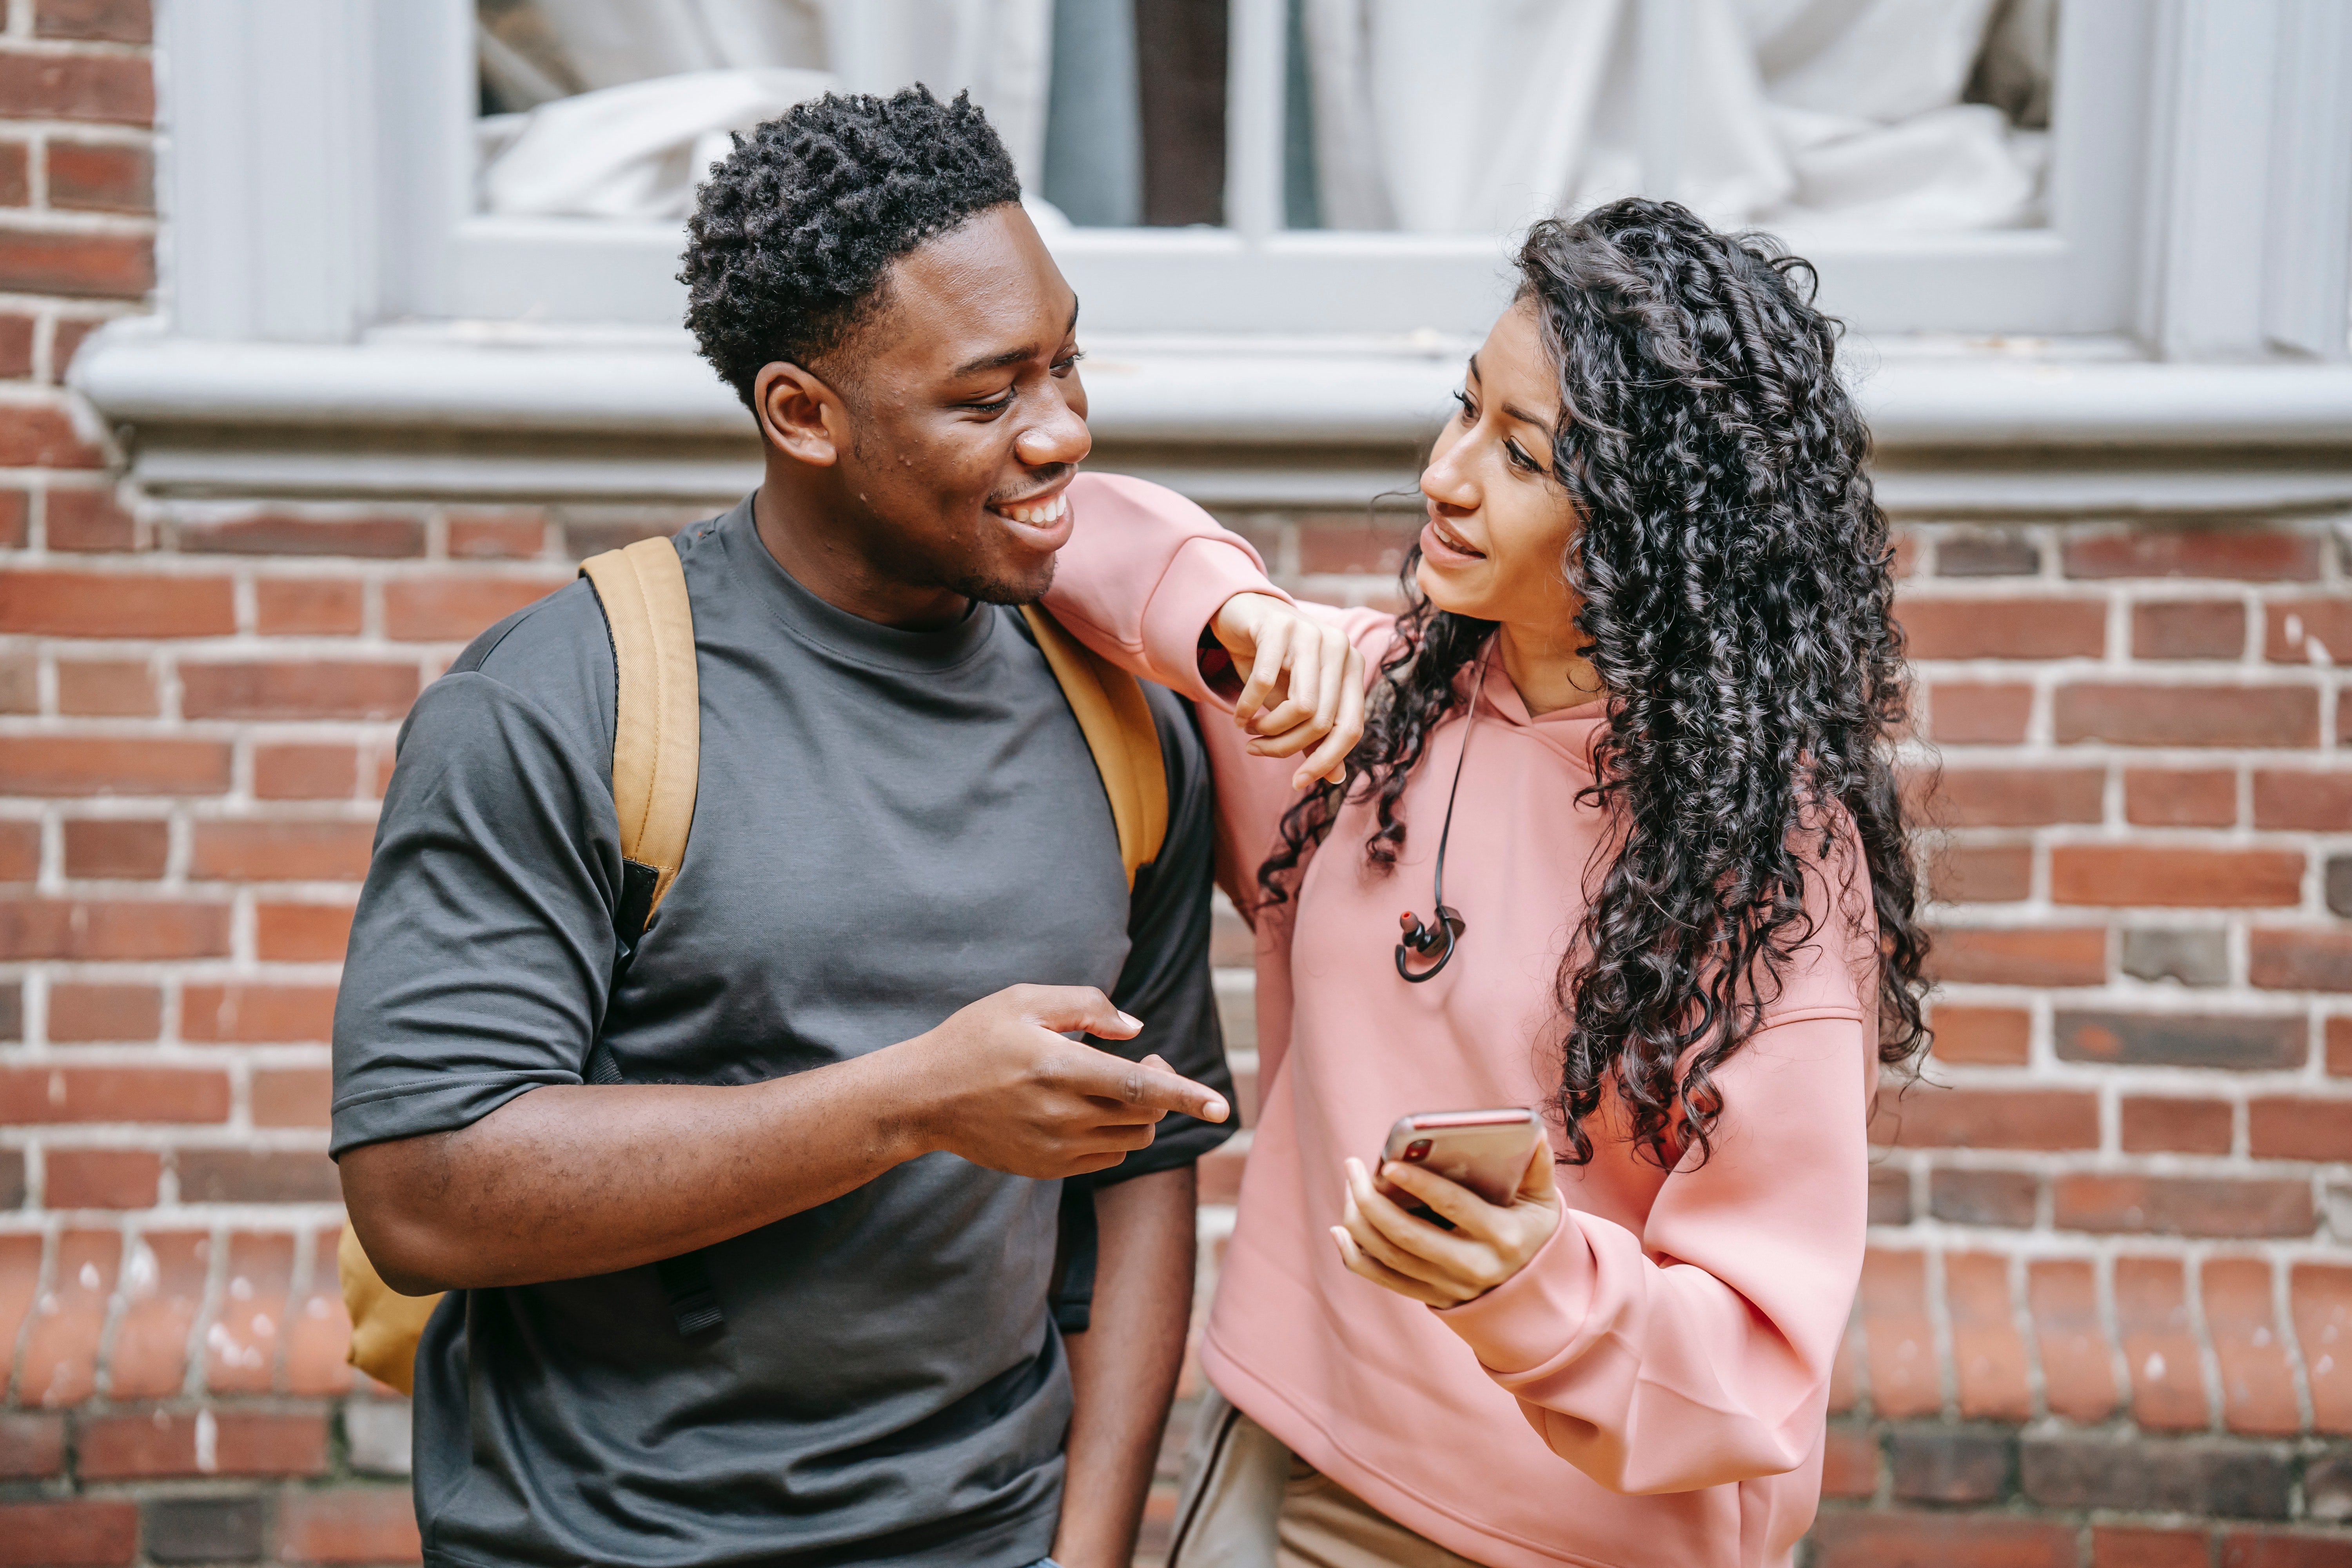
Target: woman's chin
x=1456, y=590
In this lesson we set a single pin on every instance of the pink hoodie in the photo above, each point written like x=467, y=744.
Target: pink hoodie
x=1651, y=1388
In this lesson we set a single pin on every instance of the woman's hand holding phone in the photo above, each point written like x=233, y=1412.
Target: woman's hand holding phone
x=1488, y=1244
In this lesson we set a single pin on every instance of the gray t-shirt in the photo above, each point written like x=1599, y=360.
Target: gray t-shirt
x=889, y=825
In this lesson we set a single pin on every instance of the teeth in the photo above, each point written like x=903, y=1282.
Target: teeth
x=1041, y=512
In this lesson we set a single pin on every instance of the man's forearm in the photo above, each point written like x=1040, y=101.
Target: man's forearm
x=568, y=1180
x=1123, y=1368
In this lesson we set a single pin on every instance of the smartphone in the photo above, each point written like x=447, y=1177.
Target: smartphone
x=1485, y=1151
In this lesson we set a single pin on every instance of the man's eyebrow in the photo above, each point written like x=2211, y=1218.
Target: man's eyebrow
x=1011, y=356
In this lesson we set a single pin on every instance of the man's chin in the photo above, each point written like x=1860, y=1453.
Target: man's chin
x=1005, y=587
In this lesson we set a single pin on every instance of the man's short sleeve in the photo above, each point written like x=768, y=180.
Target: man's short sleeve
x=481, y=951
x=1165, y=981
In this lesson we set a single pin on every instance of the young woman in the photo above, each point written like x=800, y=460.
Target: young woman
x=1631, y=728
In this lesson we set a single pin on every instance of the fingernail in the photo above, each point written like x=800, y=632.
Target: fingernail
x=1131, y=1021
x=1212, y=1110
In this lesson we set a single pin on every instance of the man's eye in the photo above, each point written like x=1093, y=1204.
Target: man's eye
x=994, y=405
x=1068, y=362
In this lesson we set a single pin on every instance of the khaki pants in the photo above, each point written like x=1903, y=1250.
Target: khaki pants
x=1250, y=1503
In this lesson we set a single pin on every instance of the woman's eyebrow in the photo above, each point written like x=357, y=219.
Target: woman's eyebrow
x=1524, y=417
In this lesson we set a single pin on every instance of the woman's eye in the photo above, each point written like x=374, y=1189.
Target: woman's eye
x=1469, y=409
x=1520, y=459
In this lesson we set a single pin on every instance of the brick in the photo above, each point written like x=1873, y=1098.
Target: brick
x=1963, y=713
x=2182, y=1206
x=292, y=1096
x=1984, y=1198
x=276, y=850
x=348, y=1525
x=81, y=1014
x=20, y=1284
x=2253, y=555
x=2004, y=628
x=69, y=765
x=454, y=608
x=305, y=772
x=1948, y=1464
x=12, y=1010
x=319, y=1332
x=82, y=928
x=1928, y=1116
x=2328, y=1487
x=14, y=1188
x=16, y=187
x=1899, y=1338
x=109, y=687
x=20, y=851
x=2014, y=797
x=2159, y=1345
x=1987, y=553
x=2078, y=1376
x=310, y=688
x=313, y=933
x=2199, y=958
x=2257, y=1383
x=2336, y=885
x=1845, y=1363
x=243, y=1346
x=2307, y=631
x=20, y=684
x=112, y=89
x=2181, y=1040
x=2292, y=1127
x=1939, y=1539
x=1353, y=545
x=1221, y=1174
x=32, y=1445
x=2159, y=1124
x=516, y=535
x=101, y=1178
x=58, y=1368
x=2299, y=960
x=202, y=1528
x=2117, y=1546
x=256, y=1014
x=2339, y=1047
x=56, y=1094
x=1991, y=1037
x=94, y=177
x=2197, y=1477
x=2064, y=955
x=1849, y=1463
x=256, y=1176
x=1981, y=873
x=16, y=331
x=75, y=1533
x=73, y=262
x=2321, y=1299
x=2188, y=629
x=117, y=848
x=1890, y=1198
x=2135, y=715
x=65, y=339
x=153, y=1444
x=287, y=606
x=2142, y=875
x=1989, y=1360
x=2168, y=797
x=34, y=437
x=368, y=538
x=114, y=604
x=111, y=21
x=165, y=1285
x=2271, y=1549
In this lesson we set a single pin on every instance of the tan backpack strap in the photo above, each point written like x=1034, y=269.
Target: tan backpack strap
x=657, y=727
x=1116, y=723
x=385, y=1324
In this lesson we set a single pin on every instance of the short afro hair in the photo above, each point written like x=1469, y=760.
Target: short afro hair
x=795, y=230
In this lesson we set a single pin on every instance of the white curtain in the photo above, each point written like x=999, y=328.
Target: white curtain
x=665, y=82
x=1481, y=115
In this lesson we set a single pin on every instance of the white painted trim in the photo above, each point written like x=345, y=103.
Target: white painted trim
x=1226, y=397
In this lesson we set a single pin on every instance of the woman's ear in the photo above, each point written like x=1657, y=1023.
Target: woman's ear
x=799, y=415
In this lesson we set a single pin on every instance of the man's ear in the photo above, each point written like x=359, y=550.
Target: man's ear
x=799, y=415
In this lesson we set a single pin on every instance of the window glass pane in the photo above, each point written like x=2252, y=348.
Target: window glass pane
x=1480, y=115
x=1126, y=145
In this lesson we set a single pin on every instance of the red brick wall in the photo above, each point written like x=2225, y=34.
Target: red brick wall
x=2108, y=1315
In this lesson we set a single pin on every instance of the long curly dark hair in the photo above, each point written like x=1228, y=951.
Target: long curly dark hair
x=1737, y=585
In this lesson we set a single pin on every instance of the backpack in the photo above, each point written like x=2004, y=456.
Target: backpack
x=656, y=747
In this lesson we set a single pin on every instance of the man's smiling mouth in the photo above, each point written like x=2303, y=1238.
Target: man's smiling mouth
x=1036, y=514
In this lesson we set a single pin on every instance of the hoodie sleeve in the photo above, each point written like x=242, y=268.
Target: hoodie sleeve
x=1696, y=1352
x=1144, y=573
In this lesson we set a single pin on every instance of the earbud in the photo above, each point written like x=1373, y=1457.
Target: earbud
x=1421, y=940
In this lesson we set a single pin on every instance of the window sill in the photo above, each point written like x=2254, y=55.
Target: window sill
x=1252, y=421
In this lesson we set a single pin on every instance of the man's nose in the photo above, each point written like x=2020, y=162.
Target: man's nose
x=1059, y=436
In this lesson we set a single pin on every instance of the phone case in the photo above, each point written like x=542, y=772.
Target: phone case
x=1485, y=1151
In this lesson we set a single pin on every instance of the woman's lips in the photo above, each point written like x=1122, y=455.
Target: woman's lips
x=1442, y=541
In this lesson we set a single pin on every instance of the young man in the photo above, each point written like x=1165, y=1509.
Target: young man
x=853, y=1085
